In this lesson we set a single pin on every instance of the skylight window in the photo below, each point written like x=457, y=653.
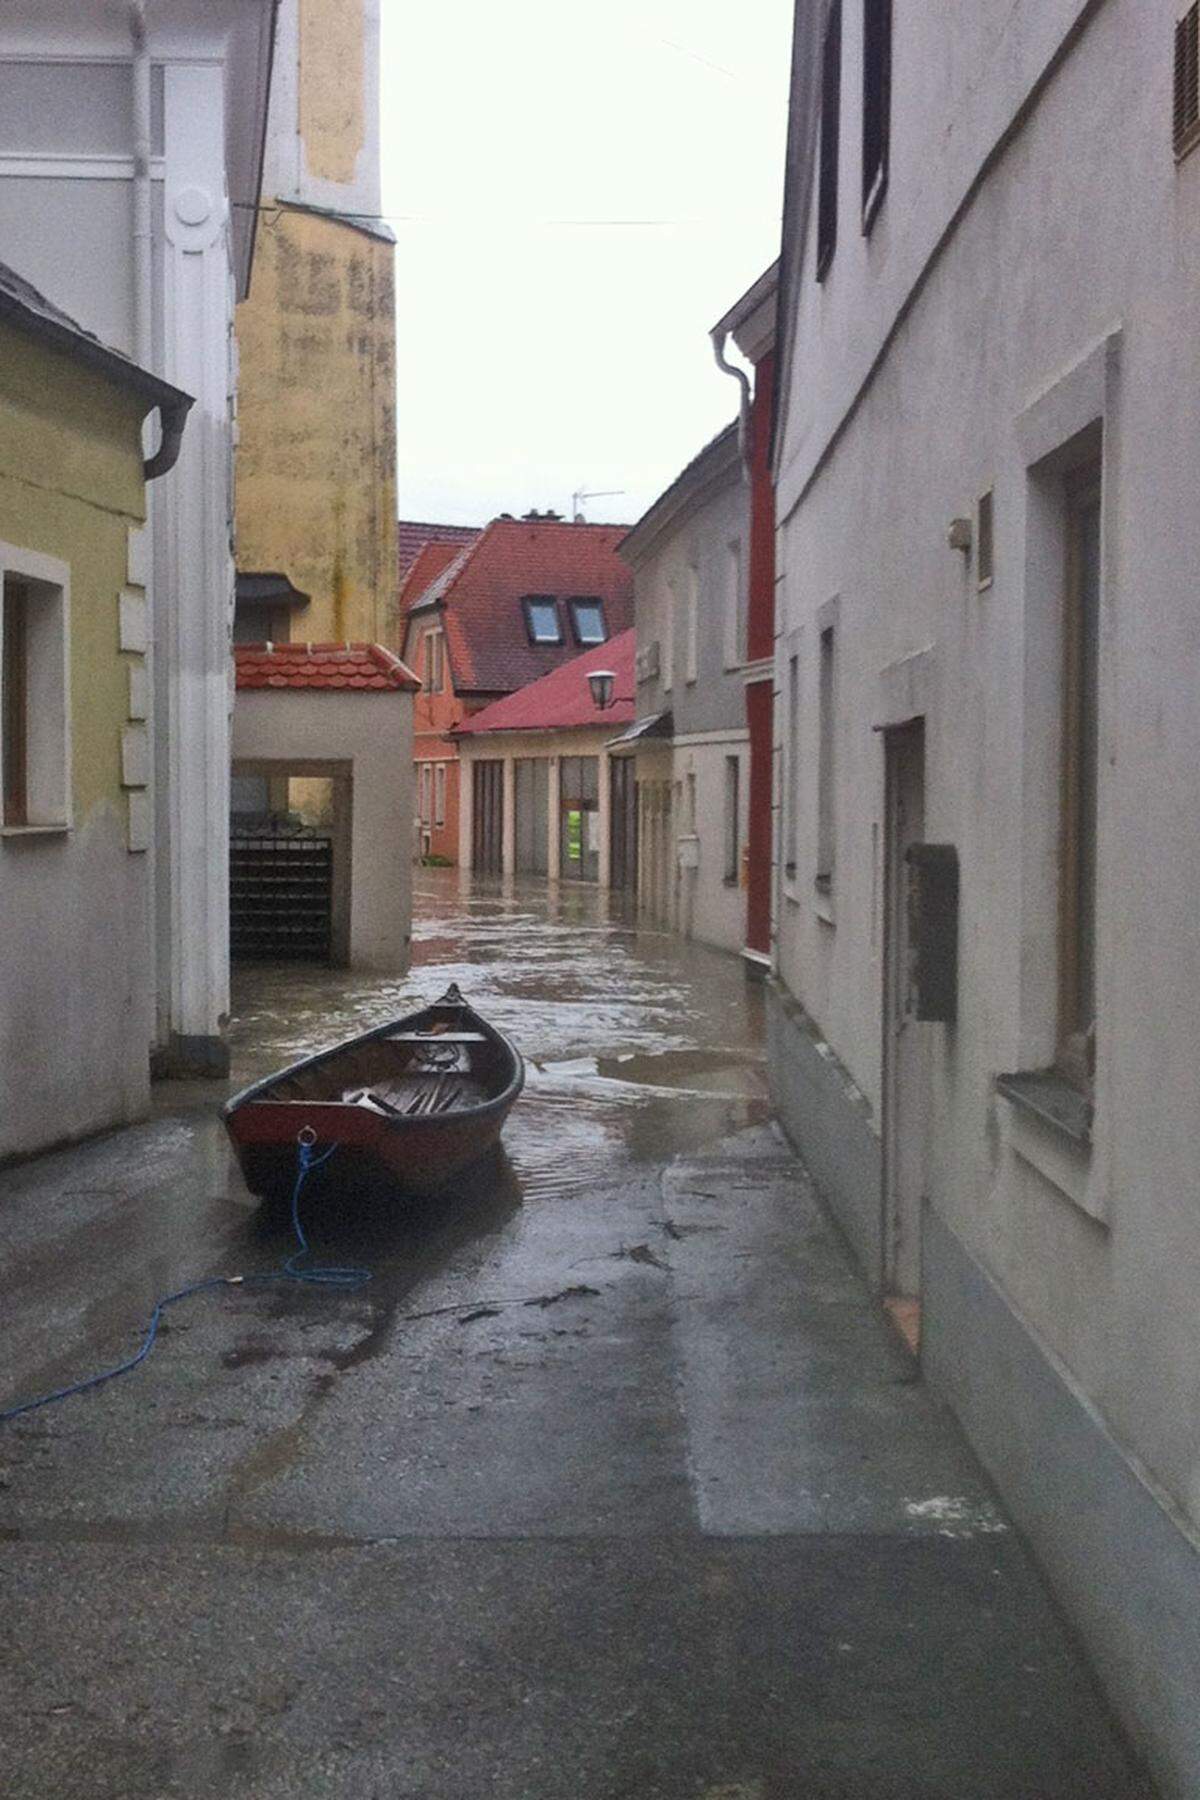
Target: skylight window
x=587, y=621
x=541, y=619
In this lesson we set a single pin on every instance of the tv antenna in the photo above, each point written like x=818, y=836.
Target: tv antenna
x=582, y=494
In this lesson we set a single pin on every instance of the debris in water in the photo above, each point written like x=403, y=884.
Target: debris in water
x=579, y=1292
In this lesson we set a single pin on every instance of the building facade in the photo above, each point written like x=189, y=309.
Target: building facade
x=985, y=1010
x=547, y=786
x=130, y=150
x=338, y=717
x=76, y=972
x=316, y=461
x=689, y=555
x=483, y=619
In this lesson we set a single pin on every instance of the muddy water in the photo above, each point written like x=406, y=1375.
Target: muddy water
x=637, y=1045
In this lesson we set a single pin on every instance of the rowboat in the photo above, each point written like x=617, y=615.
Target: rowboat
x=409, y=1105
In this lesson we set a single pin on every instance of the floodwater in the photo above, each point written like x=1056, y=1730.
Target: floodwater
x=612, y=1480
x=637, y=1045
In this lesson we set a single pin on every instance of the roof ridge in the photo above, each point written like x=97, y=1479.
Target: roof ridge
x=447, y=577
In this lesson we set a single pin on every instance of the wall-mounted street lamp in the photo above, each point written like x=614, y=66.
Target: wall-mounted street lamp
x=601, y=683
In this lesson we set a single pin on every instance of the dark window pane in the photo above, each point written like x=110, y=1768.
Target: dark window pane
x=831, y=108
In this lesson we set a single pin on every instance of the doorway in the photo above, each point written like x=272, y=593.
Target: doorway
x=487, y=816
x=579, y=819
x=531, y=791
x=906, y=1097
x=623, y=814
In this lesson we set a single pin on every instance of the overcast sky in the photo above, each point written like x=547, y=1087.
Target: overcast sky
x=542, y=348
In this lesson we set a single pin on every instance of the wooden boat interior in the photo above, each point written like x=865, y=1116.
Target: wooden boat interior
x=432, y=1067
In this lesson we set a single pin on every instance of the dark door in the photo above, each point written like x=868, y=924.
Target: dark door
x=623, y=816
x=579, y=819
x=906, y=1079
x=532, y=792
x=487, y=817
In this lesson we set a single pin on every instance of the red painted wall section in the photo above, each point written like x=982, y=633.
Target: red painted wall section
x=760, y=635
x=761, y=609
x=434, y=717
x=758, y=893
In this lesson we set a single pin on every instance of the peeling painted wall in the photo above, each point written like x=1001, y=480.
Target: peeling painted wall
x=331, y=97
x=316, y=480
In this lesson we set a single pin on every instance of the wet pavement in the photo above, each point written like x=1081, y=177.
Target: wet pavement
x=611, y=1484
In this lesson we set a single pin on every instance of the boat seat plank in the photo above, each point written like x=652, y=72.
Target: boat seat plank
x=436, y=1037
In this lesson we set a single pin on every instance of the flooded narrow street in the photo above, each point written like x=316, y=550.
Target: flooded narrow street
x=612, y=1482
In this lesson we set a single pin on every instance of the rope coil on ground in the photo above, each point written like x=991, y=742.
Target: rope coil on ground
x=344, y=1278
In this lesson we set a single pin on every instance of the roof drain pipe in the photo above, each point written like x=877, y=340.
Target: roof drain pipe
x=719, y=338
x=143, y=244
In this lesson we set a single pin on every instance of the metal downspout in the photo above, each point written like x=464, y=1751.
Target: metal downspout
x=718, y=340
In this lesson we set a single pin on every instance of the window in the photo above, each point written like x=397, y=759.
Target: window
x=668, y=671
x=587, y=621
x=831, y=124
x=541, y=619
x=825, y=806
x=1080, y=770
x=692, y=650
x=1187, y=81
x=735, y=608
x=33, y=700
x=439, y=793
x=877, y=104
x=984, y=541
x=733, y=774
x=434, y=662
x=426, y=792
x=792, y=752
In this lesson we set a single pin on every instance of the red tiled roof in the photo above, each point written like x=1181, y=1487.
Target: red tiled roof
x=413, y=534
x=354, y=666
x=480, y=593
x=427, y=565
x=563, y=700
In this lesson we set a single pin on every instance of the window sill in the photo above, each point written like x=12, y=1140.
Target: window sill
x=1052, y=1100
x=1046, y=1118
x=60, y=829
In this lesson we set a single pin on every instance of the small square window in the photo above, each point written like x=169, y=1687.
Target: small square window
x=542, y=620
x=587, y=621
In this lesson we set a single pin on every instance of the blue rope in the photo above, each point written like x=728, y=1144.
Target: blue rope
x=347, y=1278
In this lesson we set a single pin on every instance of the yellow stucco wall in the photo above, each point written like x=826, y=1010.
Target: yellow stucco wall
x=70, y=487
x=331, y=78
x=316, y=461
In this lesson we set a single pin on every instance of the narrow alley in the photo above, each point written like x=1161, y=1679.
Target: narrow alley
x=611, y=1484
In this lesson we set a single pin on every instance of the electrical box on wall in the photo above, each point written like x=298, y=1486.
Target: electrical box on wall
x=933, y=871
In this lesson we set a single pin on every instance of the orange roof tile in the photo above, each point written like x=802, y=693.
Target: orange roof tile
x=363, y=667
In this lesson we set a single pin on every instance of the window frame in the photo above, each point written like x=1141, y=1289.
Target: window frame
x=791, y=823
x=733, y=823
x=1185, y=109
x=439, y=795
x=985, y=540
x=829, y=154
x=876, y=107
x=826, y=760
x=528, y=603
x=573, y=605
x=691, y=627
x=45, y=804
x=435, y=660
x=1080, y=703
